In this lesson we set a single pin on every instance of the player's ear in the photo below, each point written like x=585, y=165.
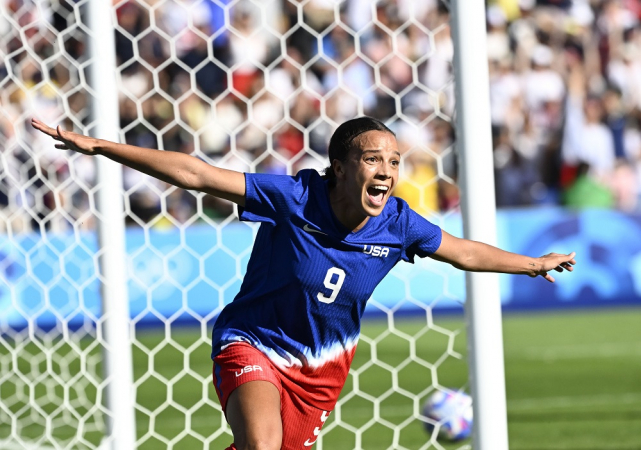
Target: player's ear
x=339, y=169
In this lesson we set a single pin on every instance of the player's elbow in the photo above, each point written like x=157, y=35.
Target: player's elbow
x=459, y=253
x=464, y=264
x=194, y=177
x=183, y=180
x=466, y=259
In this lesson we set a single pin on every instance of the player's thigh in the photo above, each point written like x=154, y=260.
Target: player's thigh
x=249, y=389
x=254, y=415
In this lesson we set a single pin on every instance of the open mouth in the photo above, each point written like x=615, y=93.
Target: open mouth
x=376, y=194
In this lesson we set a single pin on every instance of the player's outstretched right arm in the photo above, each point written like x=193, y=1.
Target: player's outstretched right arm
x=175, y=168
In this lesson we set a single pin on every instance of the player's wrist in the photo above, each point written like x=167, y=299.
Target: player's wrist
x=101, y=147
x=534, y=266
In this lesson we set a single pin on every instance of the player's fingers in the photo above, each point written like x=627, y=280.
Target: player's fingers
x=565, y=259
x=65, y=136
x=571, y=259
x=43, y=127
x=549, y=277
x=62, y=133
x=558, y=269
x=567, y=266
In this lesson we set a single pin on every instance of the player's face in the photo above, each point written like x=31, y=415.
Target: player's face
x=371, y=171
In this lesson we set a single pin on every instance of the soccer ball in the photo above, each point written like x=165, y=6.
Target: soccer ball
x=452, y=411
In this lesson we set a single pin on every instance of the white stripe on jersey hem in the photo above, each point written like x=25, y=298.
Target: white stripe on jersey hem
x=326, y=355
x=236, y=340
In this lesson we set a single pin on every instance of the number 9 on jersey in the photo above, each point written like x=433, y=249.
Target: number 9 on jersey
x=334, y=287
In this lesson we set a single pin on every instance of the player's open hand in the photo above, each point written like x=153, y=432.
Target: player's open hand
x=553, y=261
x=68, y=140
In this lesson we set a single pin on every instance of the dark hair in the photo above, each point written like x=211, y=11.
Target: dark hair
x=341, y=141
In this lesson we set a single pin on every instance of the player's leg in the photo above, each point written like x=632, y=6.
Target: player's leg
x=262, y=412
x=249, y=389
x=253, y=413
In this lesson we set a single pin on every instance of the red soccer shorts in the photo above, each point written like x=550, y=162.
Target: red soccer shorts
x=241, y=363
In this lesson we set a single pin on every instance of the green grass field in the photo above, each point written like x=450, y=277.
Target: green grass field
x=573, y=383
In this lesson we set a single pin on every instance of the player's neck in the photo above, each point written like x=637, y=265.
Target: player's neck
x=345, y=212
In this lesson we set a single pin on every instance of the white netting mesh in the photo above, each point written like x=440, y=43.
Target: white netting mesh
x=248, y=85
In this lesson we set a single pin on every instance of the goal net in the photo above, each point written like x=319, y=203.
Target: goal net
x=255, y=86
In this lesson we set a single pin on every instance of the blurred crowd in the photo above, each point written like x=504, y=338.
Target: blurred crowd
x=565, y=89
x=260, y=86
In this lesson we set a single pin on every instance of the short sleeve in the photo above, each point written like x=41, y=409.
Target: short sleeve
x=422, y=238
x=269, y=198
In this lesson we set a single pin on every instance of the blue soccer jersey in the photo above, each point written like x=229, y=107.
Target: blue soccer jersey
x=309, y=278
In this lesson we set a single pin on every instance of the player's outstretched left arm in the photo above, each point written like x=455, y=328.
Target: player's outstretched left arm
x=175, y=168
x=478, y=257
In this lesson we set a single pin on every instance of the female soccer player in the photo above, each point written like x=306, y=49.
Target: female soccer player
x=282, y=349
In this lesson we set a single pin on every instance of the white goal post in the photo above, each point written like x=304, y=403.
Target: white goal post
x=117, y=356
x=110, y=281
x=483, y=304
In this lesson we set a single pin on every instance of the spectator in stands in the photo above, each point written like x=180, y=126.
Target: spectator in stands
x=515, y=178
x=588, y=192
x=587, y=140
